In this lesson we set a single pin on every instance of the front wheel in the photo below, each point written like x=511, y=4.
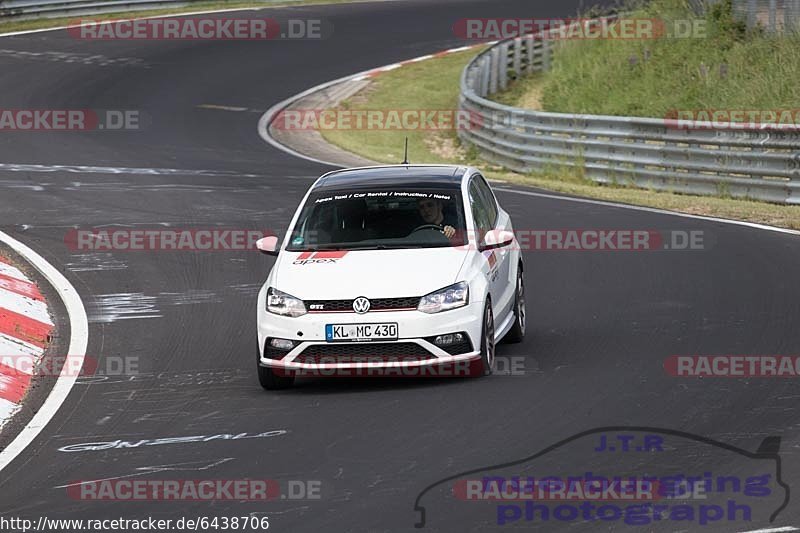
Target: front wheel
x=271, y=379
x=517, y=331
x=487, y=341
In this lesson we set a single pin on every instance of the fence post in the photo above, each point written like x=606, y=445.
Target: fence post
x=518, y=56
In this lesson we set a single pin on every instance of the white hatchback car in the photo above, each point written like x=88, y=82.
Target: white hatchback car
x=403, y=267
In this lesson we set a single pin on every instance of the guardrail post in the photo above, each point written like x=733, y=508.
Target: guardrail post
x=529, y=40
x=751, y=14
x=502, y=66
x=485, y=74
x=792, y=23
x=545, y=54
x=493, y=70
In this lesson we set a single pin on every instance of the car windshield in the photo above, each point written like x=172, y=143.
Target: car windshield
x=379, y=219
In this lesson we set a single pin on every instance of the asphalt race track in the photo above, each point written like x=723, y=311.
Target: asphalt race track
x=600, y=323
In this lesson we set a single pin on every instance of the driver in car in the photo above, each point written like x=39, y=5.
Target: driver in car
x=431, y=211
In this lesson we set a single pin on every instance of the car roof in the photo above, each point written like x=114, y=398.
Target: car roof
x=412, y=176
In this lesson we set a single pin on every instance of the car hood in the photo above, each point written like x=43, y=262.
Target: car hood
x=341, y=275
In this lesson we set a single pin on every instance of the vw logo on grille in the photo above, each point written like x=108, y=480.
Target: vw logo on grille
x=360, y=305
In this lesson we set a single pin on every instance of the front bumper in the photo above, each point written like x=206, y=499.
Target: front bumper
x=414, y=328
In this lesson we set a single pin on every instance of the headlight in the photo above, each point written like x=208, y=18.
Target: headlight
x=280, y=303
x=451, y=297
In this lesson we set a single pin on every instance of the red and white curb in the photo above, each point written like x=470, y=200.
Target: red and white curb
x=25, y=328
x=78, y=341
x=376, y=72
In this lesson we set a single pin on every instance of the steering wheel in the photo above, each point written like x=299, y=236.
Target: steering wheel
x=426, y=226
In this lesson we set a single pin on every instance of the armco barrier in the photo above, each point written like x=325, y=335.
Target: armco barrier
x=29, y=9
x=762, y=164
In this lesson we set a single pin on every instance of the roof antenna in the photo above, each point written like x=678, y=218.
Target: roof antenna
x=405, y=158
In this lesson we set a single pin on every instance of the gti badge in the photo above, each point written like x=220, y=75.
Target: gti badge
x=360, y=305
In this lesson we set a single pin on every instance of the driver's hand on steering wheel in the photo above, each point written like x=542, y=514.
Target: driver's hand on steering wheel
x=449, y=231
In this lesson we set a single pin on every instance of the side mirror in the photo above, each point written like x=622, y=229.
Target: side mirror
x=497, y=238
x=268, y=245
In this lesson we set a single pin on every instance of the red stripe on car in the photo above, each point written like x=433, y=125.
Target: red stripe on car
x=332, y=254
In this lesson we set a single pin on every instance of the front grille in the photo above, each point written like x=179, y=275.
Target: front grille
x=376, y=304
x=364, y=353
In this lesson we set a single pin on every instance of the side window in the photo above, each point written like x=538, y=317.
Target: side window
x=479, y=208
x=488, y=197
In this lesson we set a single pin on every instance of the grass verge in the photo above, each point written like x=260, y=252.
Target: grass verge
x=433, y=84
x=11, y=26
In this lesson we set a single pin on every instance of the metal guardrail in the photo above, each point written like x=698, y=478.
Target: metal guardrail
x=644, y=152
x=29, y=9
x=32, y=9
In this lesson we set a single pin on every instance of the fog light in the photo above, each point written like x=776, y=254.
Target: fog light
x=282, y=344
x=446, y=340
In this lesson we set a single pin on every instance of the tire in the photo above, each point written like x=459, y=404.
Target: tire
x=487, y=341
x=270, y=380
x=517, y=332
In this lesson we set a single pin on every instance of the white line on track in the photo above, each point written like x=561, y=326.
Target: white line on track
x=773, y=530
x=420, y=58
x=223, y=107
x=84, y=169
x=650, y=210
x=79, y=338
x=459, y=49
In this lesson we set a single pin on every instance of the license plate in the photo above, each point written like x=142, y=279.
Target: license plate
x=360, y=332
